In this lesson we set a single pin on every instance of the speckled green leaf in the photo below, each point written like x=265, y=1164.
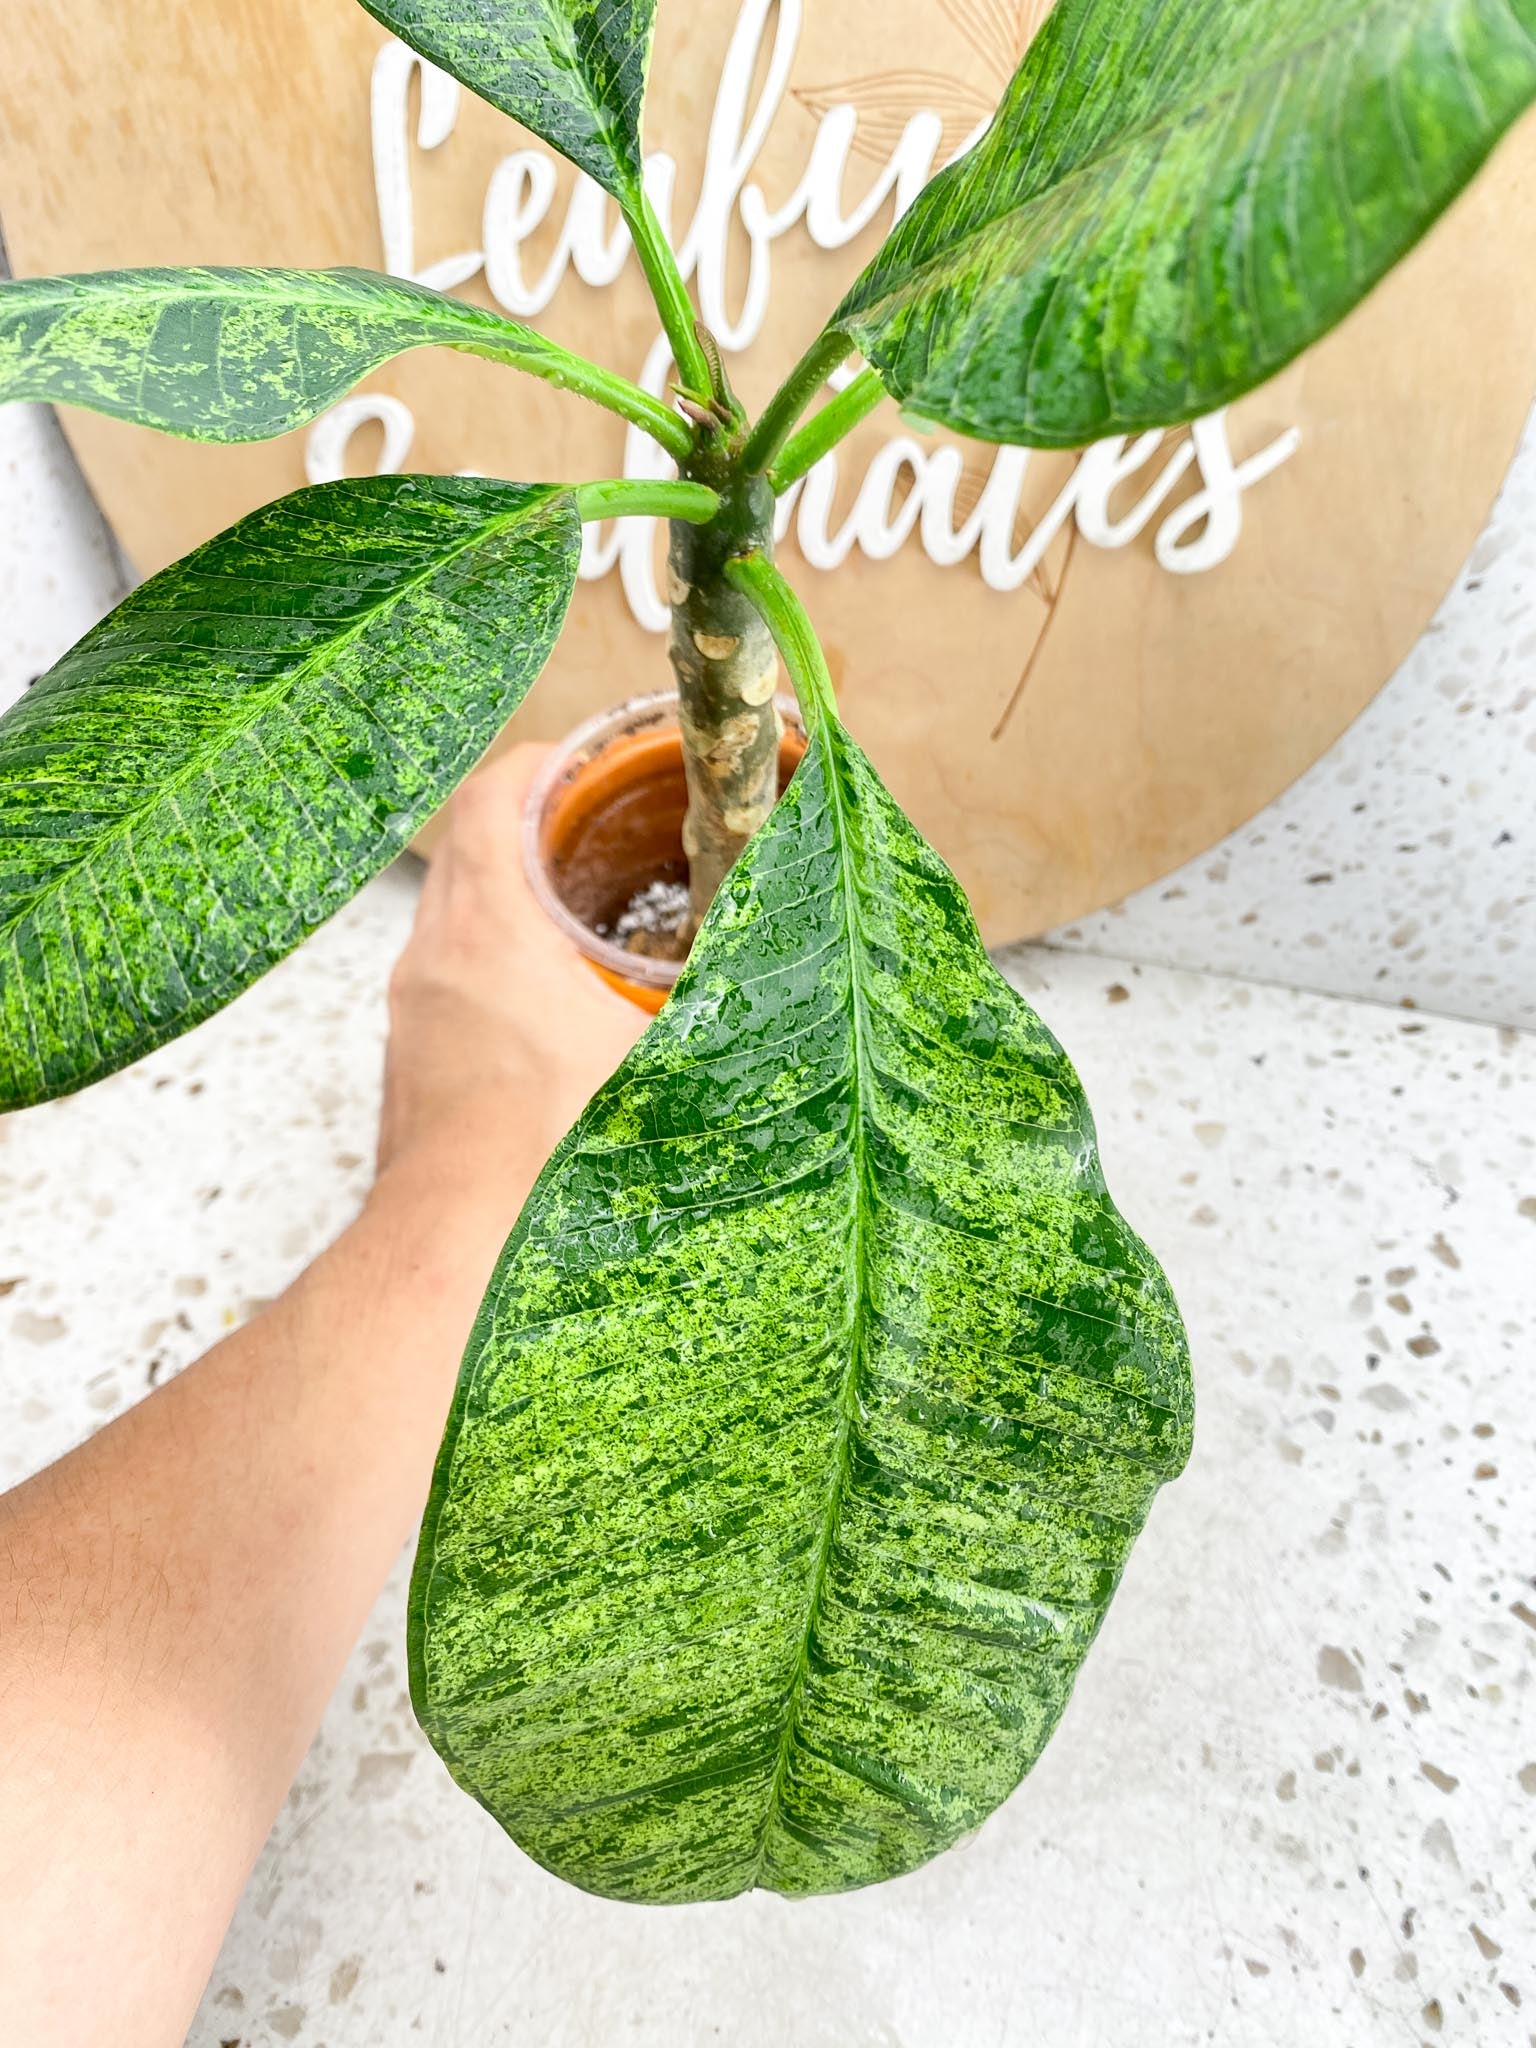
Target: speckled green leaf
x=220, y=764
x=1176, y=198
x=571, y=70
x=231, y=355
x=812, y=1411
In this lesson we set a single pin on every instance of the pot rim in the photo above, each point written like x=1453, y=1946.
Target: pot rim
x=658, y=708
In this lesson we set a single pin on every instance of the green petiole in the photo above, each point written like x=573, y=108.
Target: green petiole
x=790, y=400
x=567, y=371
x=824, y=429
x=643, y=498
x=671, y=296
x=795, y=637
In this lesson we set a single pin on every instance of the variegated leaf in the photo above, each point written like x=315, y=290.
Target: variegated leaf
x=813, y=1408
x=571, y=70
x=232, y=355
x=1177, y=197
x=219, y=765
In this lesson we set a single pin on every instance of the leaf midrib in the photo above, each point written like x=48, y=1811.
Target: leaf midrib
x=170, y=789
x=943, y=261
x=859, y=1274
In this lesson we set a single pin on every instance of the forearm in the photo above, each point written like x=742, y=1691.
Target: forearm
x=177, y=1599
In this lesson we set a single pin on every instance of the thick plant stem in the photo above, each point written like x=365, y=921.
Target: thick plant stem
x=727, y=673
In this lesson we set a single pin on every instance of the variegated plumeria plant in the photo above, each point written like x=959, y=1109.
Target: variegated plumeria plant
x=820, y=1390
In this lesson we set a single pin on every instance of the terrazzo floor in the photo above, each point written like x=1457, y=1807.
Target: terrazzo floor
x=1294, y=1800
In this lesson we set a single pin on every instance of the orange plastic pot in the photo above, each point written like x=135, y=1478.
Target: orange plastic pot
x=605, y=821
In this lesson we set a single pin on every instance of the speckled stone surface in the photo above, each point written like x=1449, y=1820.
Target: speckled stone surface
x=1295, y=1796
x=59, y=566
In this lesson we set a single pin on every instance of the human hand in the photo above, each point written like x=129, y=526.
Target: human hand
x=499, y=1031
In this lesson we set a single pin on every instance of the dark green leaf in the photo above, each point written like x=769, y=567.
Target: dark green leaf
x=571, y=70
x=1176, y=198
x=812, y=1411
x=220, y=764
x=231, y=355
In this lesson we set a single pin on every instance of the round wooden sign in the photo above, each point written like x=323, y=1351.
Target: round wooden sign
x=1075, y=672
